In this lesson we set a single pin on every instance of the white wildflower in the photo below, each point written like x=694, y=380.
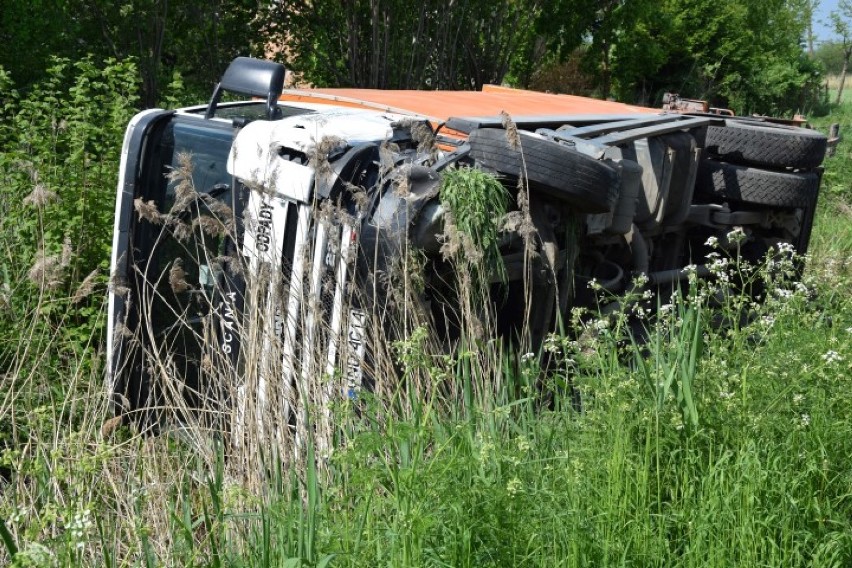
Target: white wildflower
x=712, y=242
x=832, y=357
x=639, y=280
x=551, y=343
x=736, y=236
x=805, y=420
x=785, y=248
x=79, y=525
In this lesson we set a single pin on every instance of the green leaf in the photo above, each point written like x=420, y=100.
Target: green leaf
x=8, y=539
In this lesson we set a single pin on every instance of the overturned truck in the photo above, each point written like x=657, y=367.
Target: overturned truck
x=276, y=244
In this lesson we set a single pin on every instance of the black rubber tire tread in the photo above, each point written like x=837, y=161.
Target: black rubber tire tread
x=762, y=144
x=587, y=184
x=762, y=187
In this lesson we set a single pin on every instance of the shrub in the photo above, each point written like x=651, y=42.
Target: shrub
x=59, y=152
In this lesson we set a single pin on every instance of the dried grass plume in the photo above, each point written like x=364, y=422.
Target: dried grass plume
x=177, y=277
x=86, y=287
x=40, y=196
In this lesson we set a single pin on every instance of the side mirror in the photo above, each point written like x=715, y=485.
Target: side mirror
x=253, y=77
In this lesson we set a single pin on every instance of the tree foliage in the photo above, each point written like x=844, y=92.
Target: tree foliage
x=623, y=44
x=30, y=33
x=747, y=56
x=830, y=55
x=196, y=39
x=461, y=44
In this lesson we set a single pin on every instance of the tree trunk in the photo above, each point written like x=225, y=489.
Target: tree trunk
x=606, y=74
x=846, y=55
x=810, y=6
x=810, y=38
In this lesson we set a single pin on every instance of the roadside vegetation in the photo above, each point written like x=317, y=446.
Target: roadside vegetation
x=697, y=437
x=745, y=57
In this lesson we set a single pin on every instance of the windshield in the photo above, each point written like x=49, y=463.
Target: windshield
x=183, y=246
x=248, y=111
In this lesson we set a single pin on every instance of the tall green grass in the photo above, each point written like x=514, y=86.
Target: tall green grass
x=524, y=476
x=837, y=181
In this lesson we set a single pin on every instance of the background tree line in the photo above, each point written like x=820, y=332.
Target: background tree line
x=193, y=38
x=749, y=56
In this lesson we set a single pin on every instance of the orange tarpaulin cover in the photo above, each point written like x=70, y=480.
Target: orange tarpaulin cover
x=438, y=106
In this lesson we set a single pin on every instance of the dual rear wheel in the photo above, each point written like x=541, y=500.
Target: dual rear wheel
x=765, y=167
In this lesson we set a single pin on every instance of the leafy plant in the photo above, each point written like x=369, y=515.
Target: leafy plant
x=477, y=202
x=60, y=164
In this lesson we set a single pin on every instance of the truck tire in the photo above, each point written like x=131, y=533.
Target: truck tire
x=587, y=184
x=771, y=146
x=761, y=187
